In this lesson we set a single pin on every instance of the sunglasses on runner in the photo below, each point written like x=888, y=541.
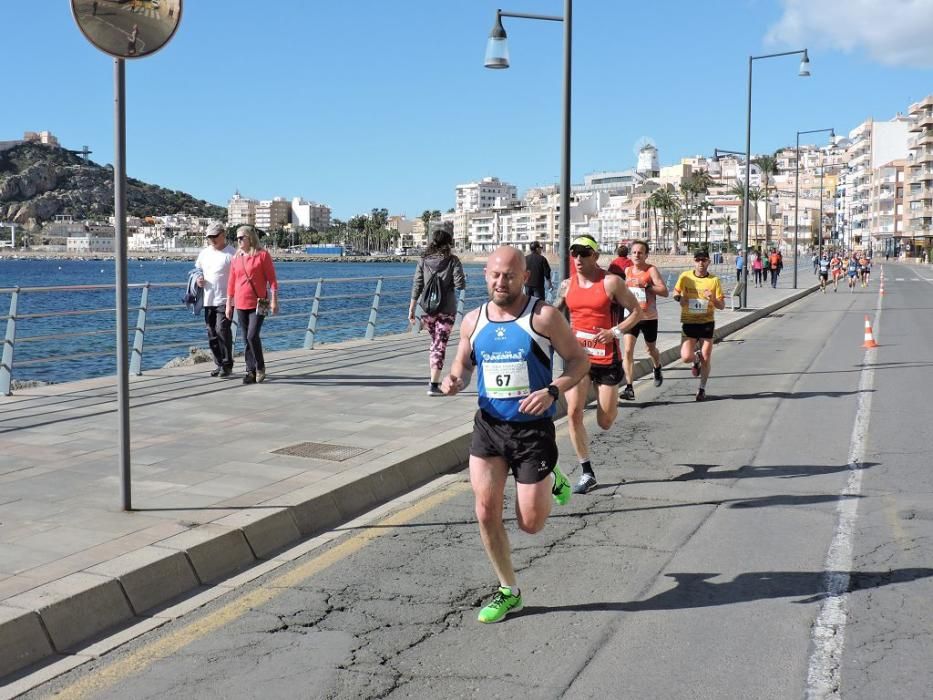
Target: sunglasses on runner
x=581, y=252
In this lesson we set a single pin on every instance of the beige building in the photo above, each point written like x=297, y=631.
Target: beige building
x=272, y=214
x=241, y=210
x=484, y=194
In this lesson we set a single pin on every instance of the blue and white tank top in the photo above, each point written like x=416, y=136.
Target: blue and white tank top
x=512, y=361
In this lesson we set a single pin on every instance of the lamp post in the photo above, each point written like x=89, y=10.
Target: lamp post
x=497, y=56
x=832, y=135
x=804, y=72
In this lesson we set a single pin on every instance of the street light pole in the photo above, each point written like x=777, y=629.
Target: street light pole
x=497, y=56
x=804, y=72
x=832, y=135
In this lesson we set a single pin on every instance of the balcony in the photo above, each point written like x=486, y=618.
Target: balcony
x=920, y=213
x=924, y=119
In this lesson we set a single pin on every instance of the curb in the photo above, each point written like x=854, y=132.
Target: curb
x=55, y=619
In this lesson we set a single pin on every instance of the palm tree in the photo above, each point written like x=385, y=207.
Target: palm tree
x=678, y=218
x=768, y=165
x=755, y=195
x=705, y=208
x=666, y=203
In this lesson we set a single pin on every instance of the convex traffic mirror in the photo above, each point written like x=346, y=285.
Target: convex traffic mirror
x=127, y=28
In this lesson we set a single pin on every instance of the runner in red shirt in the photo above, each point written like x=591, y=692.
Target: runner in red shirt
x=646, y=284
x=590, y=294
x=622, y=261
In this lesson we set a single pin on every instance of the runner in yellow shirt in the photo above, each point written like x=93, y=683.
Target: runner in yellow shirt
x=699, y=294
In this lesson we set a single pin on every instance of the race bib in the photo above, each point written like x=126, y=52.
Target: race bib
x=640, y=294
x=697, y=306
x=592, y=348
x=506, y=380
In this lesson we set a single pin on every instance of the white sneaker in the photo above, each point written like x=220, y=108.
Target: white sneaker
x=586, y=483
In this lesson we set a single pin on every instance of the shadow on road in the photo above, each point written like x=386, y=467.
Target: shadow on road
x=783, y=471
x=697, y=591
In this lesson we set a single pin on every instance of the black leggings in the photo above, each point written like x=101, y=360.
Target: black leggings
x=758, y=276
x=250, y=325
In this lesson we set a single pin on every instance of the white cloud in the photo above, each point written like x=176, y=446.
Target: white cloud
x=892, y=32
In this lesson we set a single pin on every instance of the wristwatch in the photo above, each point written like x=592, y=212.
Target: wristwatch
x=617, y=333
x=553, y=391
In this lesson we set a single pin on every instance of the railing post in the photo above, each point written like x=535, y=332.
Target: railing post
x=136, y=355
x=312, y=320
x=6, y=364
x=374, y=311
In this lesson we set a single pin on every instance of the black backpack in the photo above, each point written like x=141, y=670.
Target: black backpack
x=432, y=296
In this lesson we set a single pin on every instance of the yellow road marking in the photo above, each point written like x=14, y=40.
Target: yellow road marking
x=140, y=659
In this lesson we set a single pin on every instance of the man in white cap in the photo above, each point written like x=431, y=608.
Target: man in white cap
x=214, y=262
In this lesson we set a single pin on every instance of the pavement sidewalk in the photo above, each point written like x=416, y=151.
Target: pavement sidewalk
x=224, y=475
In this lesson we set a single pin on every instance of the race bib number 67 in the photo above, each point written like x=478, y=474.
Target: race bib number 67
x=506, y=380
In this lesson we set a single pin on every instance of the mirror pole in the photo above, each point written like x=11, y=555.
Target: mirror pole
x=119, y=239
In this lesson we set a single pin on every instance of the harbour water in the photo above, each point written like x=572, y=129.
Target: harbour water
x=88, y=348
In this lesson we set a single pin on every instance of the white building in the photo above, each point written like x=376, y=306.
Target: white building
x=310, y=214
x=485, y=194
x=89, y=243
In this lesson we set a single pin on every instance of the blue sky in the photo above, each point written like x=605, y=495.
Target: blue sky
x=373, y=103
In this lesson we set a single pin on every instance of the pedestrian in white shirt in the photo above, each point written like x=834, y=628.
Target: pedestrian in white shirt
x=214, y=263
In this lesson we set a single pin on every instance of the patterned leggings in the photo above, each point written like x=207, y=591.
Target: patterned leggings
x=439, y=326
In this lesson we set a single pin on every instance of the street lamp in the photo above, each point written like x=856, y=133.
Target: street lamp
x=803, y=72
x=497, y=56
x=832, y=135
x=123, y=36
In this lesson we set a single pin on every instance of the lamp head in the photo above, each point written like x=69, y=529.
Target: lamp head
x=497, y=48
x=804, y=66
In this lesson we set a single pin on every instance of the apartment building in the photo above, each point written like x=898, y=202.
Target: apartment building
x=241, y=211
x=310, y=214
x=918, y=236
x=872, y=144
x=272, y=214
x=484, y=194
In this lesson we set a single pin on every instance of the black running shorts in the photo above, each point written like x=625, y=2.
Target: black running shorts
x=529, y=448
x=610, y=375
x=649, y=328
x=699, y=331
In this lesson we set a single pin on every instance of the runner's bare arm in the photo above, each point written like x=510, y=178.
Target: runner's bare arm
x=551, y=323
x=559, y=301
x=462, y=369
x=657, y=283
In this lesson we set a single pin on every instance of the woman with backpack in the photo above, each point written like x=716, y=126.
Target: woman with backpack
x=437, y=278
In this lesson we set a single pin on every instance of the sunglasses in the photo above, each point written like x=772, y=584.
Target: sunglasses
x=581, y=252
x=242, y=238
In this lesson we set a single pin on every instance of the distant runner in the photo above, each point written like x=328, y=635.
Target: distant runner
x=699, y=294
x=852, y=272
x=835, y=269
x=511, y=341
x=824, y=272
x=594, y=298
x=646, y=284
x=864, y=269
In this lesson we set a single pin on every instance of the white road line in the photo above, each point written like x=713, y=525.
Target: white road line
x=898, y=279
x=828, y=632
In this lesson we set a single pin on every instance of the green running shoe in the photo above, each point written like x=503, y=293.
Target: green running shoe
x=561, y=490
x=502, y=603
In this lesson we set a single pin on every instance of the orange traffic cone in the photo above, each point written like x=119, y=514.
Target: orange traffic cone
x=869, y=338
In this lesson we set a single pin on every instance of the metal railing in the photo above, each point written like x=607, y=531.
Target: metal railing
x=73, y=317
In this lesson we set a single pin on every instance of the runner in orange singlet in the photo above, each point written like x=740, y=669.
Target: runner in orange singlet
x=835, y=268
x=589, y=294
x=645, y=283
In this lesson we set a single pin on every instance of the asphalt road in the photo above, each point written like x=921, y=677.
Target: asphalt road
x=698, y=569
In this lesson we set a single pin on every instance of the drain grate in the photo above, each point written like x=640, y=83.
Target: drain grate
x=320, y=450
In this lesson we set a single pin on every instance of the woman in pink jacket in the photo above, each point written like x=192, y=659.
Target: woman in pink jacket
x=252, y=285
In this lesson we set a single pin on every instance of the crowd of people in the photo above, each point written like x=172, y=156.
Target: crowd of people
x=855, y=265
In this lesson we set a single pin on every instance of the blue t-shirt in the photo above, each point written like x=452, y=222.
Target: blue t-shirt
x=512, y=361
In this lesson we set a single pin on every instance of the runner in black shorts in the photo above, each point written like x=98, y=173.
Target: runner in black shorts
x=700, y=295
x=528, y=448
x=644, y=281
x=607, y=375
x=510, y=341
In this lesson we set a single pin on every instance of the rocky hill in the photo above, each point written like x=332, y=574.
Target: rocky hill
x=37, y=182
